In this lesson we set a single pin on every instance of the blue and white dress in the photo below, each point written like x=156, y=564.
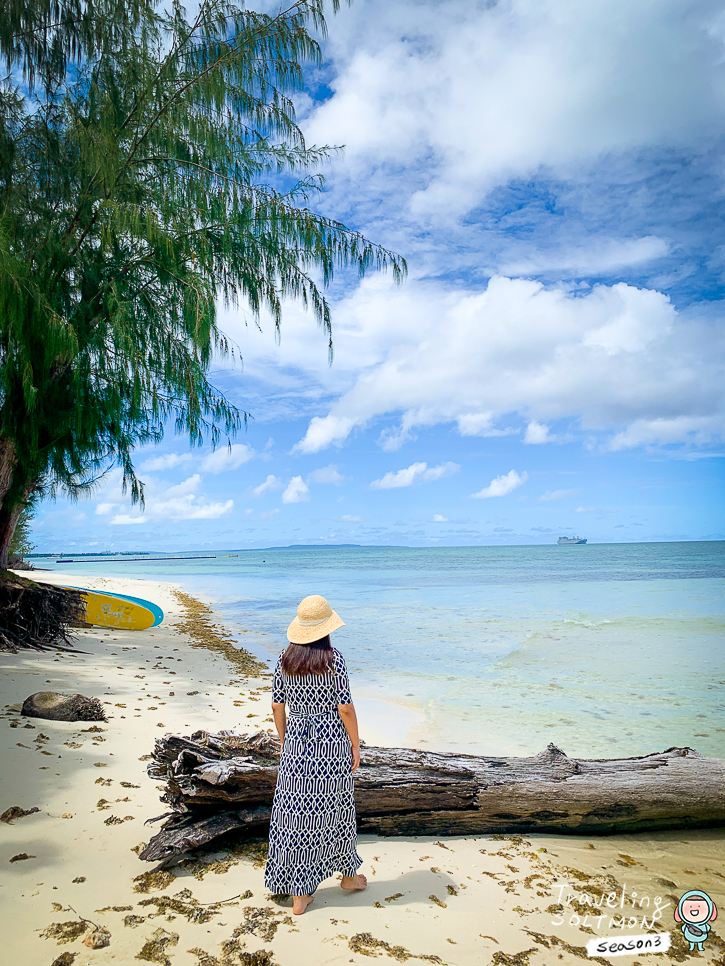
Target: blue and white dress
x=312, y=832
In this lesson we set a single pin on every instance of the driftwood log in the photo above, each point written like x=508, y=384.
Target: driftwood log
x=222, y=782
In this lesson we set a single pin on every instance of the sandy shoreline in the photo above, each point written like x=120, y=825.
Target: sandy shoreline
x=461, y=900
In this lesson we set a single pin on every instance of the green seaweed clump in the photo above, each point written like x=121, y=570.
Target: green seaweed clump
x=366, y=944
x=64, y=932
x=193, y=911
x=65, y=959
x=154, y=949
x=205, y=959
x=679, y=949
x=252, y=849
x=513, y=959
x=259, y=921
x=153, y=880
x=260, y=957
x=133, y=921
x=550, y=942
x=231, y=948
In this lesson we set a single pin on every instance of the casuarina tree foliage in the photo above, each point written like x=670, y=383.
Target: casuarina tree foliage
x=137, y=143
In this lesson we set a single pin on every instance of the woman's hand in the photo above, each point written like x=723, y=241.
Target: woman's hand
x=355, y=757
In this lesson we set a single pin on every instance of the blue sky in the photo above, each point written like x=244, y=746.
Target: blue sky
x=553, y=173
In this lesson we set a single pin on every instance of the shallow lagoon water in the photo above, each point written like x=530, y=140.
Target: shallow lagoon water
x=607, y=650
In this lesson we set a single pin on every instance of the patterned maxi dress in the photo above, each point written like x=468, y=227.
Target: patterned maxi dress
x=312, y=832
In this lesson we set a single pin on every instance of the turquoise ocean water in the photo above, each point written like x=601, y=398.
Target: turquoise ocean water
x=607, y=650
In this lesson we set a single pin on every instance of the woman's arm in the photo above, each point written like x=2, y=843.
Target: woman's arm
x=280, y=720
x=349, y=719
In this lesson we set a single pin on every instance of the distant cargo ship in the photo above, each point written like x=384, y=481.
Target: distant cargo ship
x=567, y=540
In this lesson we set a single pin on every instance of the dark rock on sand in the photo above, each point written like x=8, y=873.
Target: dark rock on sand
x=97, y=938
x=63, y=707
x=15, y=811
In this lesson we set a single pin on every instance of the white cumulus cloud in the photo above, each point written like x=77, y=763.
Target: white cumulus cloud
x=615, y=357
x=528, y=84
x=322, y=432
x=537, y=433
x=176, y=503
x=166, y=462
x=441, y=472
x=404, y=477
x=227, y=458
x=415, y=473
x=551, y=118
x=501, y=485
x=481, y=424
x=700, y=429
x=271, y=483
x=327, y=474
x=297, y=491
x=600, y=259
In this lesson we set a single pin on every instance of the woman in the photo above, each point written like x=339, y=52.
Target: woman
x=312, y=831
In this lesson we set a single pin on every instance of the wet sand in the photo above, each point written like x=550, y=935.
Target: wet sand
x=497, y=900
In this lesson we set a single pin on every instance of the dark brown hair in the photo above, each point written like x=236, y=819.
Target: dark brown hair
x=314, y=658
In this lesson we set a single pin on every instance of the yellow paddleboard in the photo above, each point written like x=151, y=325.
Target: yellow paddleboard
x=114, y=610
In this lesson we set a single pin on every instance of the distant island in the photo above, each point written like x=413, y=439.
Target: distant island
x=316, y=546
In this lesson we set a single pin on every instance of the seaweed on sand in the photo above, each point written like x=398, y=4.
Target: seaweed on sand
x=367, y=945
x=65, y=932
x=513, y=959
x=158, y=879
x=65, y=959
x=191, y=908
x=232, y=955
x=262, y=922
x=154, y=949
x=197, y=623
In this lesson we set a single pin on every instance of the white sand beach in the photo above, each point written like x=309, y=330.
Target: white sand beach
x=462, y=900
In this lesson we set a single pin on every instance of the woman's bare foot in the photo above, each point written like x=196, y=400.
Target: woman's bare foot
x=300, y=903
x=352, y=883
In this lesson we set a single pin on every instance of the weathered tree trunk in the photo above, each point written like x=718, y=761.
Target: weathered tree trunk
x=8, y=518
x=217, y=783
x=15, y=488
x=8, y=522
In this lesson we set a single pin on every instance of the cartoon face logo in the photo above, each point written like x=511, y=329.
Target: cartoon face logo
x=695, y=911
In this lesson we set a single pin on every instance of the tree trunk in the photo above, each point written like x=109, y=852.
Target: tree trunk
x=13, y=497
x=8, y=522
x=217, y=783
x=7, y=465
x=7, y=527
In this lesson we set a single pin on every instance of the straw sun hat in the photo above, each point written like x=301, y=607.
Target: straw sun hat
x=315, y=619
